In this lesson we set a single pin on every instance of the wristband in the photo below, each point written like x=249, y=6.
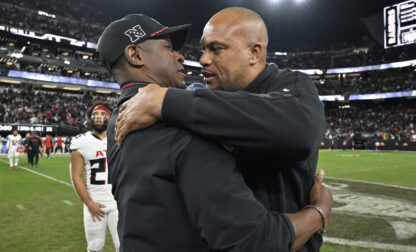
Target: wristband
x=324, y=219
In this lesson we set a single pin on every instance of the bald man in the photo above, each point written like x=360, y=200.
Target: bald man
x=272, y=120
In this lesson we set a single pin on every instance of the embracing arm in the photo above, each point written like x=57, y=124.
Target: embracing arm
x=275, y=122
x=228, y=216
x=289, y=124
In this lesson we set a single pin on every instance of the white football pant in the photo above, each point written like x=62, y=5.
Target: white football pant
x=13, y=153
x=95, y=232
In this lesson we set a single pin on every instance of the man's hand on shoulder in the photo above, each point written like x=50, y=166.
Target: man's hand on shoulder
x=141, y=111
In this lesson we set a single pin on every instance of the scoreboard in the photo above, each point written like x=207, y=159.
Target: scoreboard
x=400, y=24
x=8, y=127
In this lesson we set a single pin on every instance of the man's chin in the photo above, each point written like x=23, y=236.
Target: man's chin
x=180, y=84
x=212, y=85
x=99, y=128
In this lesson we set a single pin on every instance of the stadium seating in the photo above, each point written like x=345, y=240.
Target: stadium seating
x=348, y=120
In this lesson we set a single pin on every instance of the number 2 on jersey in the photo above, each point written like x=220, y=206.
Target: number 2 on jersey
x=102, y=167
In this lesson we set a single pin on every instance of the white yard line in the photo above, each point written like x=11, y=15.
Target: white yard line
x=371, y=245
x=41, y=174
x=378, y=151
x=68, y=202
x=21, y=207
x=373, y=183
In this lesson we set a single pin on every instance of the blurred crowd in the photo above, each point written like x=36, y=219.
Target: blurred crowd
x=393, y=119
x=72, y=19
x=70, y=62
x=27, y=104
x=388, y=120
x=83, y=22
x=391, y=80
x=52, y=59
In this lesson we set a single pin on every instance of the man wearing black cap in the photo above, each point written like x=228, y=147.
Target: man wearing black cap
x=176, y=192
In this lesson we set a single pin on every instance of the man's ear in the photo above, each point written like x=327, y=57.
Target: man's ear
x=256, y=50
x=134, y=55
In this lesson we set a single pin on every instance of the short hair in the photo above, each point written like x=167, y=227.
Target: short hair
x=99, y=102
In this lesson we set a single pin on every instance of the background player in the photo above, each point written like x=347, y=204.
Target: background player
x=59, y=143
x=67, y=143
x=48, y=145
x=35, y=148
x=26, y=145
x=89, y=153
x=13, y=142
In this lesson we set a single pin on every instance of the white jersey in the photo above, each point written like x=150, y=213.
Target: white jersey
x=13, y=142
x=94, y=152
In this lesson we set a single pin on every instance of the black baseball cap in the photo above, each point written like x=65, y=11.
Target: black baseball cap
x=134, y=29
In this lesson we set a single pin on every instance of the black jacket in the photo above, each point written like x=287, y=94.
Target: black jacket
x=274, y=128
x=176, y=192
x=34, y=143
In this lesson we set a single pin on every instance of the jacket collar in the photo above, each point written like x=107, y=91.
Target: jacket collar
x=270, y=69
x=129, y=89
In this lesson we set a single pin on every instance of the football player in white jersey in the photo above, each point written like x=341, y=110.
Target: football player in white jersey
x=13, y=142
x=89, y=154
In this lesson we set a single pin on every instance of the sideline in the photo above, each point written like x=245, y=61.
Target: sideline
x=367, y=150
x=372, y=183
x=370, y=245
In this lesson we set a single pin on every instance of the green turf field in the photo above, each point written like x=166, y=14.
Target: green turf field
x=41, y=213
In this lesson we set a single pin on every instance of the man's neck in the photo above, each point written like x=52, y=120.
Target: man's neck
x=101, y=135
x=253, y=75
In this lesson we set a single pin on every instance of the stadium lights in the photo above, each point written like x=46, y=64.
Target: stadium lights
x=344, y=107
x=280, y=53
x=103, y=91
x=49, y=86
x=10, y=81
x=332, y=98
x=16, y=55
x=67, y=62
x=71, y=88
x=189, y=73
x=62, y=79
x=378, y=96
x=43, y=13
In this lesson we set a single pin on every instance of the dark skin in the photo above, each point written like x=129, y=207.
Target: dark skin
x=138, y=61
x=230, y=48
x=142, y=62
x=138, y=64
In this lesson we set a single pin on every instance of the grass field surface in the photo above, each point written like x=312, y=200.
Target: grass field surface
x=374, y=193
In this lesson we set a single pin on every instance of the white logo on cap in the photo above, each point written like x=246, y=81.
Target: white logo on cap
x=135, y=33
